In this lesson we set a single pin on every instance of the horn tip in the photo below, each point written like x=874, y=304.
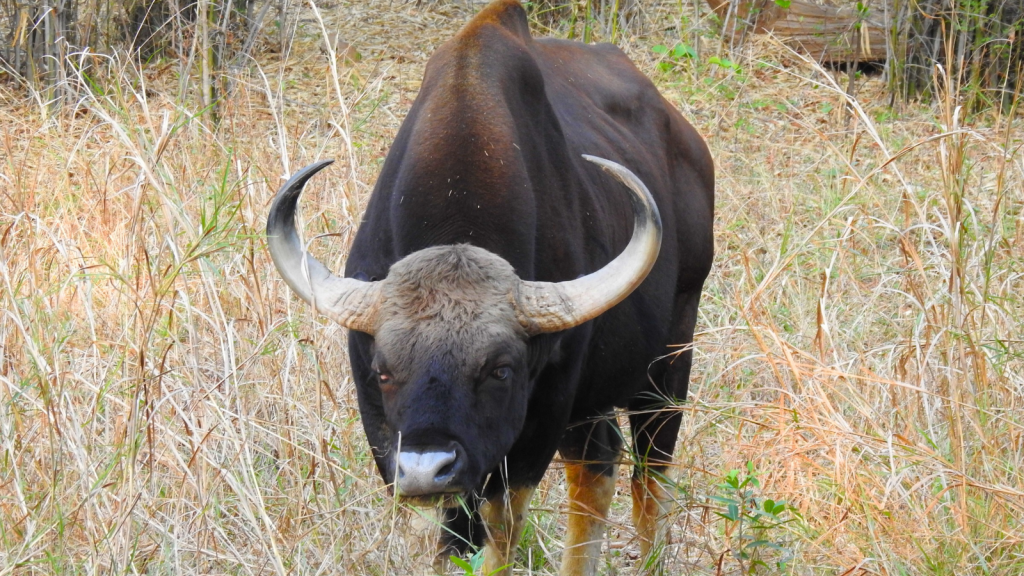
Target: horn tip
x=295, y=184
x=282, y=210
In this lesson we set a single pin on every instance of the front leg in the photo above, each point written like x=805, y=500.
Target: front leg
x=591, y=451
x=461, y=531
x=504, y=517
x=591, y=489
x=652, y=508
x=654, y=436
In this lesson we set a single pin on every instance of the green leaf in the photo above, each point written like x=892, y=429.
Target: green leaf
x=766, y=544
x=683, y=51
x=659, y=49
x=725, y=63
x=477, y=561
x=784, y=4
x=725, y=516
x=462, y=564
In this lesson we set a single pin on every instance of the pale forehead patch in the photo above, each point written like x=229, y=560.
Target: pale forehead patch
x=449, y=300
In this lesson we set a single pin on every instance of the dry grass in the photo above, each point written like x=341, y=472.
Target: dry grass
x=166, y=406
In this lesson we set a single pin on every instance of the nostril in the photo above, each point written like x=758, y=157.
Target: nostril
x=447, y=470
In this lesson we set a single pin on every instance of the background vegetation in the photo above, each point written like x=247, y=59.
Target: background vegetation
x=167, y=406
x=981, y=42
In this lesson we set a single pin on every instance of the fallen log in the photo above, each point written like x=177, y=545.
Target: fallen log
x=827, y=33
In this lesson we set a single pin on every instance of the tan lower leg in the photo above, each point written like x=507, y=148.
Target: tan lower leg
x=651, y=505
x=590, y=496
x=504, y=518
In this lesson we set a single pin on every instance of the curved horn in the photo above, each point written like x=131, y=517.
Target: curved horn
x=351, y=303
x=554, y=306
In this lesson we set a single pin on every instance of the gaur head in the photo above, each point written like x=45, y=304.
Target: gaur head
x=450, y=327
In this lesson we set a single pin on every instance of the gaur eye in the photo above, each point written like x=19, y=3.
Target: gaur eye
x=383, y=378
x=501, y=373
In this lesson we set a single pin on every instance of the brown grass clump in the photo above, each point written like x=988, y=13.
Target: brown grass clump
x=166, y=406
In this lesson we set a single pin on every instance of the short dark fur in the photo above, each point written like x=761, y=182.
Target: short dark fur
x=490, y=156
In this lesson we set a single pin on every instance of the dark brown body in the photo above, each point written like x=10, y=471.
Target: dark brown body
x=490, y=155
